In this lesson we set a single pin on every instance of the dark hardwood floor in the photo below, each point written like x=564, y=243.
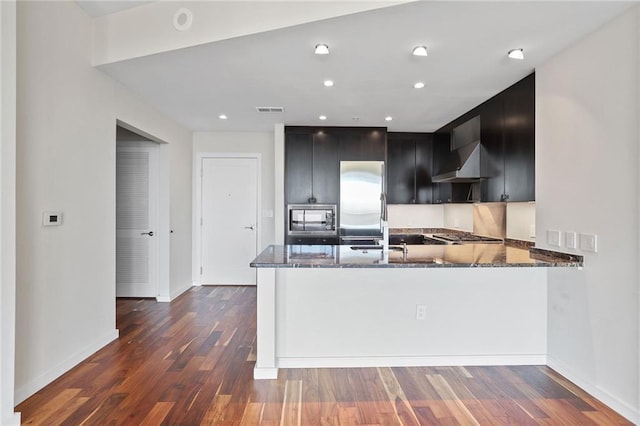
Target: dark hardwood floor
x=190, y=362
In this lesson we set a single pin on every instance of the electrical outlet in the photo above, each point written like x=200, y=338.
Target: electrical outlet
x=589, y=242
x=553, y=238
x=570, y=240
x=421, y=312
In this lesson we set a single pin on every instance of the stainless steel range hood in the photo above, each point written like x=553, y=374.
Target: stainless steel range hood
x=467, y=165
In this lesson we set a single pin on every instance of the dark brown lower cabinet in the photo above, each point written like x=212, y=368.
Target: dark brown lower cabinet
x=312, y=240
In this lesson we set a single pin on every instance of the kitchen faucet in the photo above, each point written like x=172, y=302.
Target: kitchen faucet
x=384, y=224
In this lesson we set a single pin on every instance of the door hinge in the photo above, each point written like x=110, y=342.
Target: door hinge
x=201, y=222
x=201, y=270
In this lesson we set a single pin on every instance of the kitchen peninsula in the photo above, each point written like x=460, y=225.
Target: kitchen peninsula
x=333, y=306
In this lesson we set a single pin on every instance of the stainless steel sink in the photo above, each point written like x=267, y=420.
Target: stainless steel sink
x=406, y=238
x=375, y=247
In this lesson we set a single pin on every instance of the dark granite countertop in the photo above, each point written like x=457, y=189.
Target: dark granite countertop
x=418, y=256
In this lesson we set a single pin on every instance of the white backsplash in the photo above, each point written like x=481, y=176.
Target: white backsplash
x=458, y=216
x=521, y=217
x=490, y=219
x=415, y=215
x=521, y=221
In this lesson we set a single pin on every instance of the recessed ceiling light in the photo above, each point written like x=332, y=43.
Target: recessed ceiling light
x=419, y=51
x=388, y=118
x=323, y=117
x=418, y=85
x=321, y=49
x=516, y=54
x=328, y=83
x=222, y=117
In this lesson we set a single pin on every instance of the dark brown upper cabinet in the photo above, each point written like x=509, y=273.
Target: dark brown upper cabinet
x=507, y=136
x=313, y=155
x=519, y=141
x=409, y=168
x=361, y=143
x=311, y=168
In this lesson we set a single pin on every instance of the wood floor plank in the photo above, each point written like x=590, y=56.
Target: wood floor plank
x=396, y=395
x=157, y=414
x=50, y=408
x=190, y=362
x=452, y=400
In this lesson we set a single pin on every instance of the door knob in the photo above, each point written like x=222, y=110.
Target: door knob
x=250, y=227
x=150, y=233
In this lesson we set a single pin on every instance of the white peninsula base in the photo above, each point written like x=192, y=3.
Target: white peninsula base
x=363, y=317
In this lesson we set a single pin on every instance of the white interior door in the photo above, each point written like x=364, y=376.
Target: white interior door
x=137, y=220
x=228, y=220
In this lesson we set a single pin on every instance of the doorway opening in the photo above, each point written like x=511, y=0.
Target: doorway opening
x=142, y=225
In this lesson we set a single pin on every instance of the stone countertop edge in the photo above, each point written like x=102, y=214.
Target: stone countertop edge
x=543, y=258
x=542, y=264
x=553, y=256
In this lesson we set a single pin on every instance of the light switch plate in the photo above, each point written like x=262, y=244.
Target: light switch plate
x=51, y=218
x=570, y=240
x=553, y=237
x=589, y=242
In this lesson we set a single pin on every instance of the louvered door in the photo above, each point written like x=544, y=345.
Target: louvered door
x=136, y=220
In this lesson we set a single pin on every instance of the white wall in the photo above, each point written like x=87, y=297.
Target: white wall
x=148, y=28
x=587, y=180
x=278, y=165
x=67, y=113
x=7, y=210
x=415, y=215
x=238, y=142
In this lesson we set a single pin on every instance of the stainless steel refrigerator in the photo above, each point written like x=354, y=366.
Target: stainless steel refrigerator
x=361, y=189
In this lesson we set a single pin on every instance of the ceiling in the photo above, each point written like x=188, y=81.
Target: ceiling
x=370, y=62
x=95, y=8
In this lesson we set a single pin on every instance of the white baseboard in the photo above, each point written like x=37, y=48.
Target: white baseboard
x=624, y=409
x=12, y=419
x=37, y=383
x=265, y=373
x=410, y=361
x=174, y=294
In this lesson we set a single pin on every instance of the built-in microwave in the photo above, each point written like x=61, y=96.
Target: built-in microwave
x=311, y=219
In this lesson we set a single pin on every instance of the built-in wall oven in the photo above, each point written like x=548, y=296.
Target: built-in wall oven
x=311, y=220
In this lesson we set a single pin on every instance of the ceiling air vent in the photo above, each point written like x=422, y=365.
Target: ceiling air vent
x=270, y=109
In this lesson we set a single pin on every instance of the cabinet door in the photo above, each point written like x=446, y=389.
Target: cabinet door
x=441, y=160
x=298, y=153
x=492, y=158
x=519, y=141
x=297, y=240
x=326, y=168
x=401, y=170
x=362, y=145
x=424, y=168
